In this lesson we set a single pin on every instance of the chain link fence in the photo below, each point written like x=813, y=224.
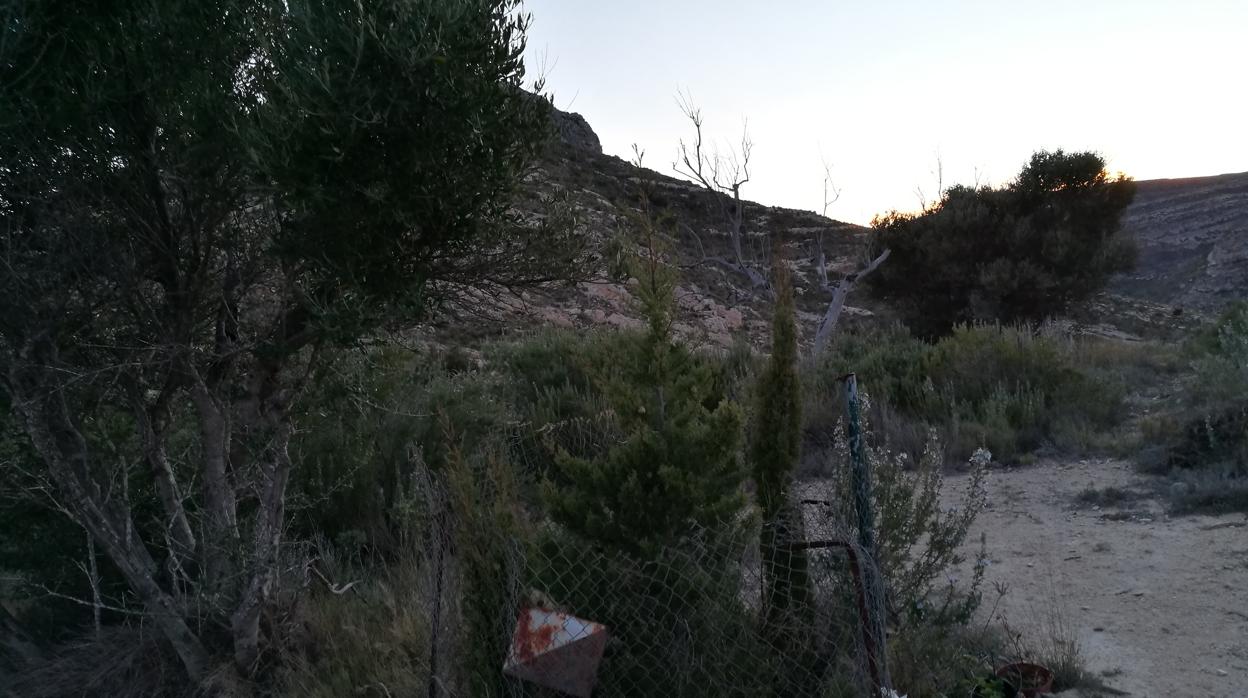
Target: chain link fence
x=788, y=608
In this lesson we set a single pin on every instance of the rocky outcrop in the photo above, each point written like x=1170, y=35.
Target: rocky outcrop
x=575, y=131
x=1193, y=241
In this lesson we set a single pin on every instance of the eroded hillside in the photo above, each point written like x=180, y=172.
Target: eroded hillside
x=1193, y=241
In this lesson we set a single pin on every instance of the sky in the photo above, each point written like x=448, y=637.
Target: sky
x=884, y=90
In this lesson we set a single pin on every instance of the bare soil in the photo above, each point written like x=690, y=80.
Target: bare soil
x=1159, y=604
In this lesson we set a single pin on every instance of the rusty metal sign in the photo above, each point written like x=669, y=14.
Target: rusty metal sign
x=556, y=650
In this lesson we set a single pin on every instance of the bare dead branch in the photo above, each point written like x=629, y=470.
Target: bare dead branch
x=833, y=313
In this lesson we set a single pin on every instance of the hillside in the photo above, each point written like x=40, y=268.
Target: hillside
x=1192, y=236
x=716, y=304
x=1193, y=240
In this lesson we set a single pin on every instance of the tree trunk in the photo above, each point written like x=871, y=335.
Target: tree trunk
x=839, y=294
x=41, y=403
x=220, y=502
x=821, y=260
x=151, y=436
x=266, y=542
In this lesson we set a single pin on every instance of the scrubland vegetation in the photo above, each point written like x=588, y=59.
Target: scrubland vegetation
x=391, y=432
x=1201, y=437
x=232, y=465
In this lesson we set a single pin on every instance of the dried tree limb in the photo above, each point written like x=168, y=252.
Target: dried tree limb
x=833, y=313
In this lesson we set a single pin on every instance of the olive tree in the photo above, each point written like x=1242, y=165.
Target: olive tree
x=199, y=201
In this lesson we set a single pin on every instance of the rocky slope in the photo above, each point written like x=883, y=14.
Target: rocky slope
x=716, y=304
x=1192, y=235
x=1193, y=241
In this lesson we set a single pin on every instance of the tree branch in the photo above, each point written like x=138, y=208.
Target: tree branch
x=833, y=313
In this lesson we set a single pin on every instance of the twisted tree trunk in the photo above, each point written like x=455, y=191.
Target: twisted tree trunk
x=272, y=404
x=40, y=400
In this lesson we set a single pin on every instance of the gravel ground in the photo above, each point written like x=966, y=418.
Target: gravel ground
x=1159, y=604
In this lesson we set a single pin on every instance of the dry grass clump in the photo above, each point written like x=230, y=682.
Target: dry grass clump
x=370, y=640
x=126, y=661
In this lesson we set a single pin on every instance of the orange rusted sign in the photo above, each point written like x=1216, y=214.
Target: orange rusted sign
x=556, y=650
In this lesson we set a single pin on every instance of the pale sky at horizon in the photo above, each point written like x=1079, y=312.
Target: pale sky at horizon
x=883, y=89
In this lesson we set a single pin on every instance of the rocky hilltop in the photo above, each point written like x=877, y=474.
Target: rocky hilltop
x=1193, y=241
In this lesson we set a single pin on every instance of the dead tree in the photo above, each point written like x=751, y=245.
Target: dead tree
x=837, y=304
x=843, y=288
x=831, y=194
x=722, y=176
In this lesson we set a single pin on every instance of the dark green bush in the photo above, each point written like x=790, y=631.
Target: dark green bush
x=546, y=382
x=1219, y=439
x=1020, y=253
x=369, y=422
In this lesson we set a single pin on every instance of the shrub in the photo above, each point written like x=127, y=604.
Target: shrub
x=368, y=423
x=1217, y=439
x=1024, y=252
x=676, y=463
x=917, y=537
x=372, y=640
x=1013, y=389
x=488, y=532
x=438, y=608
x=1219, y=357
x=1203, y=437
x=1008, y=389
x=548, y=385
x=774, y=452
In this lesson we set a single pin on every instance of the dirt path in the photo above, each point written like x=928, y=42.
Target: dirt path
x=1159, y=604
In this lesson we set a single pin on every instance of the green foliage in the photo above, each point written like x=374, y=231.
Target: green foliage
x=424, y=157
x=1202, y=438
x=1011, y=390
x=373, y=419
x=774, y=452
x=1219, y=356
x=202, y=203
x=1021, y=253
x=676, y=464
x=776, y=435
x=1219, y=438
x=917, y=537
x=940, y=661
x=488, y=531
x=547, y=383
x=673, y=617
x=389, y=137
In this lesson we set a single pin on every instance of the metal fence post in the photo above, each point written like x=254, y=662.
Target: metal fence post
x=860, y=480
x=860, y=476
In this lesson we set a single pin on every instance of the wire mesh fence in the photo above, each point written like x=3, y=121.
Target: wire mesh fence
x=785, y=608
